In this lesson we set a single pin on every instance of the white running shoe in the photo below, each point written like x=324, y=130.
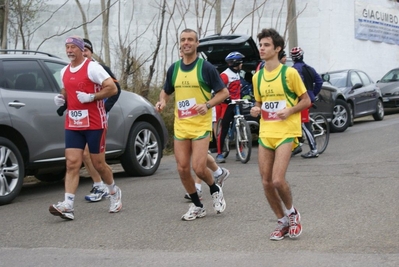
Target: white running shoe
x=63, y=210
x=97, y=193
x=193, y=213
x=222, y=177
x=219, y=204
x=116, y=201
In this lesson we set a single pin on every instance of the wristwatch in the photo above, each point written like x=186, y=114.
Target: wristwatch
x=208, y=106
x=92, y=97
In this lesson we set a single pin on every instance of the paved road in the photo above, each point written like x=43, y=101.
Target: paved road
x=348, y=199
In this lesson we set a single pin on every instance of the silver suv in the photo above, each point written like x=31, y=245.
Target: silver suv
x=32, y=133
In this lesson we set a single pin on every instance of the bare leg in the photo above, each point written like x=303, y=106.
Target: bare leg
x=211, y=163
x=283, y=155
x=102, y=168
x=273, y=166
x=95, y=176
x=74, y=159
x=200, y=158
x=183, y=151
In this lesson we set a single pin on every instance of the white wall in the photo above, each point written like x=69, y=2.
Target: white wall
x=326, y=31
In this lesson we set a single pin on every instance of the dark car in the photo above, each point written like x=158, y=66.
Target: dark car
x=32, y=133
x=362, y=96
x=389, y=86
x=215, y=48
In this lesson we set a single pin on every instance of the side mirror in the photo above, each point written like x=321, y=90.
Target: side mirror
x=357, y=85
x=326, y=77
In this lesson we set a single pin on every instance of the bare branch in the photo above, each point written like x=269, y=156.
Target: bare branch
x=74, y=28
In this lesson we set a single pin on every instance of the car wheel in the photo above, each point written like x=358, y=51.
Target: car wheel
x=143, y=150
x=11, y=171
x=379, y=114
x=352, y=118
x=51, y=177
x=341, y=116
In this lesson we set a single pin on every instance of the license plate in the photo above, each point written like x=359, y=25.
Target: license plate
x=385, y=99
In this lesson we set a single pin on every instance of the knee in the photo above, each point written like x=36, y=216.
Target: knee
x=200, y=172
x=278, y=183
x=267, y=184
x=72, y=164
x=183, y=170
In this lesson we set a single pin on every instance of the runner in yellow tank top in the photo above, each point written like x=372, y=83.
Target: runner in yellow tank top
x=192, y=80
x=279, y=99
x=189, y=124
x=268, y=88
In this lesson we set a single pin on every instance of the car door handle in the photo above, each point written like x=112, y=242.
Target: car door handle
x=16, y=104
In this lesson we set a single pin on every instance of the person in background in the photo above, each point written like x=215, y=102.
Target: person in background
x=280, y=95
x=192, y=79
x=313, y=83
x=231, y=78
x=85, y=86
x=99, y=190
x=282, y=57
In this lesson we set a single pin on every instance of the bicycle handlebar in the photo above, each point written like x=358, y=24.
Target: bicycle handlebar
x=239, y=101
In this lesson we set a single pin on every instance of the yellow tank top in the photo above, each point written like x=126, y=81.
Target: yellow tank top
x=191, y=89
x=277, y=90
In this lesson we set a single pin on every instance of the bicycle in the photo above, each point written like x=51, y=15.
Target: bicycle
x=321, y=131
x=239, y=133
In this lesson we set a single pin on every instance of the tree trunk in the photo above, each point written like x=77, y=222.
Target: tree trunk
x=105, y=27
x=218, y=16
x=4, y=10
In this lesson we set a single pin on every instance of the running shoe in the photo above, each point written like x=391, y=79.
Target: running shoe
x=97, y=193
x=280, y=232
x=310, y=154
x=296, y=150
x=63, y=210
x=116, y=201
x=222, y=177
x=295, y=229
x=219, y=204
x=193, y=213
x=220, y=158
x=199, y=192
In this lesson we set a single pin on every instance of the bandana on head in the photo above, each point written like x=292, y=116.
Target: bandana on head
x=76, y=41
x=88, y=44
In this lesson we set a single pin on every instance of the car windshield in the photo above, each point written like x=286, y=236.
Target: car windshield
x=338, y=79
x=391, y=76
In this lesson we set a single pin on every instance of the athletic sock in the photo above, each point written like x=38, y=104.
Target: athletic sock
x=213, y=188
x=98, y=184
x=111, y=188
x=218, y=172
x=195, y=199
x=198, y=186
x=70, y=199
x=283, y=220
x=291, y=210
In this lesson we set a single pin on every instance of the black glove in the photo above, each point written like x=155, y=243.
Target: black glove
x=61, y=110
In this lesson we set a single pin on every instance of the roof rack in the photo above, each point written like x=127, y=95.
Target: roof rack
x=10, y=51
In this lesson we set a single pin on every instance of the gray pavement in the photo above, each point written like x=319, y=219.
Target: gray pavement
x=348, y=199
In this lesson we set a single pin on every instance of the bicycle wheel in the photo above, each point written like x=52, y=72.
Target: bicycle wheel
x=243, y=140
x=321, y=132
